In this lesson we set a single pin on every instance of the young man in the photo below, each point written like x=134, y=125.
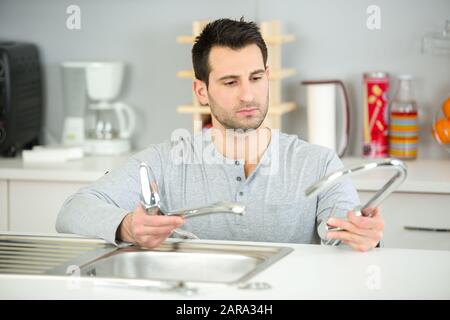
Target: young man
x=239, y=160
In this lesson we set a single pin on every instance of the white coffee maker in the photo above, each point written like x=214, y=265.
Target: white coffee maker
x=107, y=125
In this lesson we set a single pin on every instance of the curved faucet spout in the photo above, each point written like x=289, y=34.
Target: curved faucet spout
x=218, y=207
x=383, y=193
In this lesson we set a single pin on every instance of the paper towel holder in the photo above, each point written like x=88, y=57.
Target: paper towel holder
x=321, y=94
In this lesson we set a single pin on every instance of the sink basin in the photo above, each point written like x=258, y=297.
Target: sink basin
x=186, y=261
x=174, y=261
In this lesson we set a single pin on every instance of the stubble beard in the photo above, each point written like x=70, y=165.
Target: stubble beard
x=229, y=120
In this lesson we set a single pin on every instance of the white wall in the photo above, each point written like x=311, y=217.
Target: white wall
x=332, y=42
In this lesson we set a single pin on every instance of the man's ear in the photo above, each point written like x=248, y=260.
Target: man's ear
x=267, y=71
x=201, y=91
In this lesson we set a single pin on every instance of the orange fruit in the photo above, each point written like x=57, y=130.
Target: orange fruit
x=446, y=108
x=441, y=130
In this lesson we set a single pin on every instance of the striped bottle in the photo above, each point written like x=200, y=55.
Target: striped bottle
x=403, y=134
x=403, y=124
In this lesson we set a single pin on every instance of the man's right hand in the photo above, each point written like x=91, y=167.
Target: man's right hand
x=147, y=230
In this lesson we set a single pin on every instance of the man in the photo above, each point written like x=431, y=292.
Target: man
x=239, y=159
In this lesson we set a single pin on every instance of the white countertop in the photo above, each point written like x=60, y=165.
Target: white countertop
x=87, y=169
x=309, y=272
x=424, y=175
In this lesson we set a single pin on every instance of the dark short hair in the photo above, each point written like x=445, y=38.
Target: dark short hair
x=227, y=33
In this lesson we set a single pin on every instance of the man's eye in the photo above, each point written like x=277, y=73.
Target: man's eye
x=230, y=83
x=257, y=78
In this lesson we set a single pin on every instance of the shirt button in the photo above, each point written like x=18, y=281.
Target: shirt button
x=238, y=179
x=241, y=193
x=236, y=162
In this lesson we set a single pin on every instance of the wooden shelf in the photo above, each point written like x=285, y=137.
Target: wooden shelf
x=279, y=109
x=285, y=38
x=193, y=109
x=274, y=75
x=282, y=108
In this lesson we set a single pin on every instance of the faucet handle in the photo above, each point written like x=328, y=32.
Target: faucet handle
x=323, y=228
x=149, y=191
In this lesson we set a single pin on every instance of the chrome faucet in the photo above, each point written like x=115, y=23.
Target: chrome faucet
x=151, y=200
x=376, y=200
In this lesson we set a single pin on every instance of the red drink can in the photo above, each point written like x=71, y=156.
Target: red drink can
x=376, y=115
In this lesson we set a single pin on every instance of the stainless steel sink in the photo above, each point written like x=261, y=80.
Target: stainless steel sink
x=32, y=254
x=175, y=261
x=187, y=262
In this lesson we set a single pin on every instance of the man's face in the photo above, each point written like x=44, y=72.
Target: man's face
x=238, y=90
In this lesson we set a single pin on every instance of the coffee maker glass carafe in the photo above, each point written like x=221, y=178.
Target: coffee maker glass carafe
x=101, y=124
x=109, y=122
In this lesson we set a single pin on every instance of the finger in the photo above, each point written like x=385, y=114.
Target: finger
x=140, y=217
x=355, y=240
x=159, y=231
x=144, y=231
x=374, y=222
x=371, y=211
x=347, y=225
x=359, y=247
x=344, y=236
x=355, y=246
x=151, y=242
x=162, y=221
x=140, y=210
x=373, y=237
x=352, y=245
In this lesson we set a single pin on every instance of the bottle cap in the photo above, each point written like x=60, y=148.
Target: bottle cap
x=405, y=77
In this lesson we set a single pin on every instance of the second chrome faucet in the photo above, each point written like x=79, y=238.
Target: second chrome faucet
x=332, y=178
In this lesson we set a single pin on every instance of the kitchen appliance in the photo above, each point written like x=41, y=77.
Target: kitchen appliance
x=109, y=124
x=21, y=97
x=95, y=120
x=327, y=127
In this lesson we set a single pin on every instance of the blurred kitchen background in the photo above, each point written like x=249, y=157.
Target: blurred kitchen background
x=332, y=41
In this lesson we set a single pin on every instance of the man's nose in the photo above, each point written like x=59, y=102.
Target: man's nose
x=246, y=92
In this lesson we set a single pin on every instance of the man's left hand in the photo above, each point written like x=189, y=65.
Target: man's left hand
x=361, y=233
